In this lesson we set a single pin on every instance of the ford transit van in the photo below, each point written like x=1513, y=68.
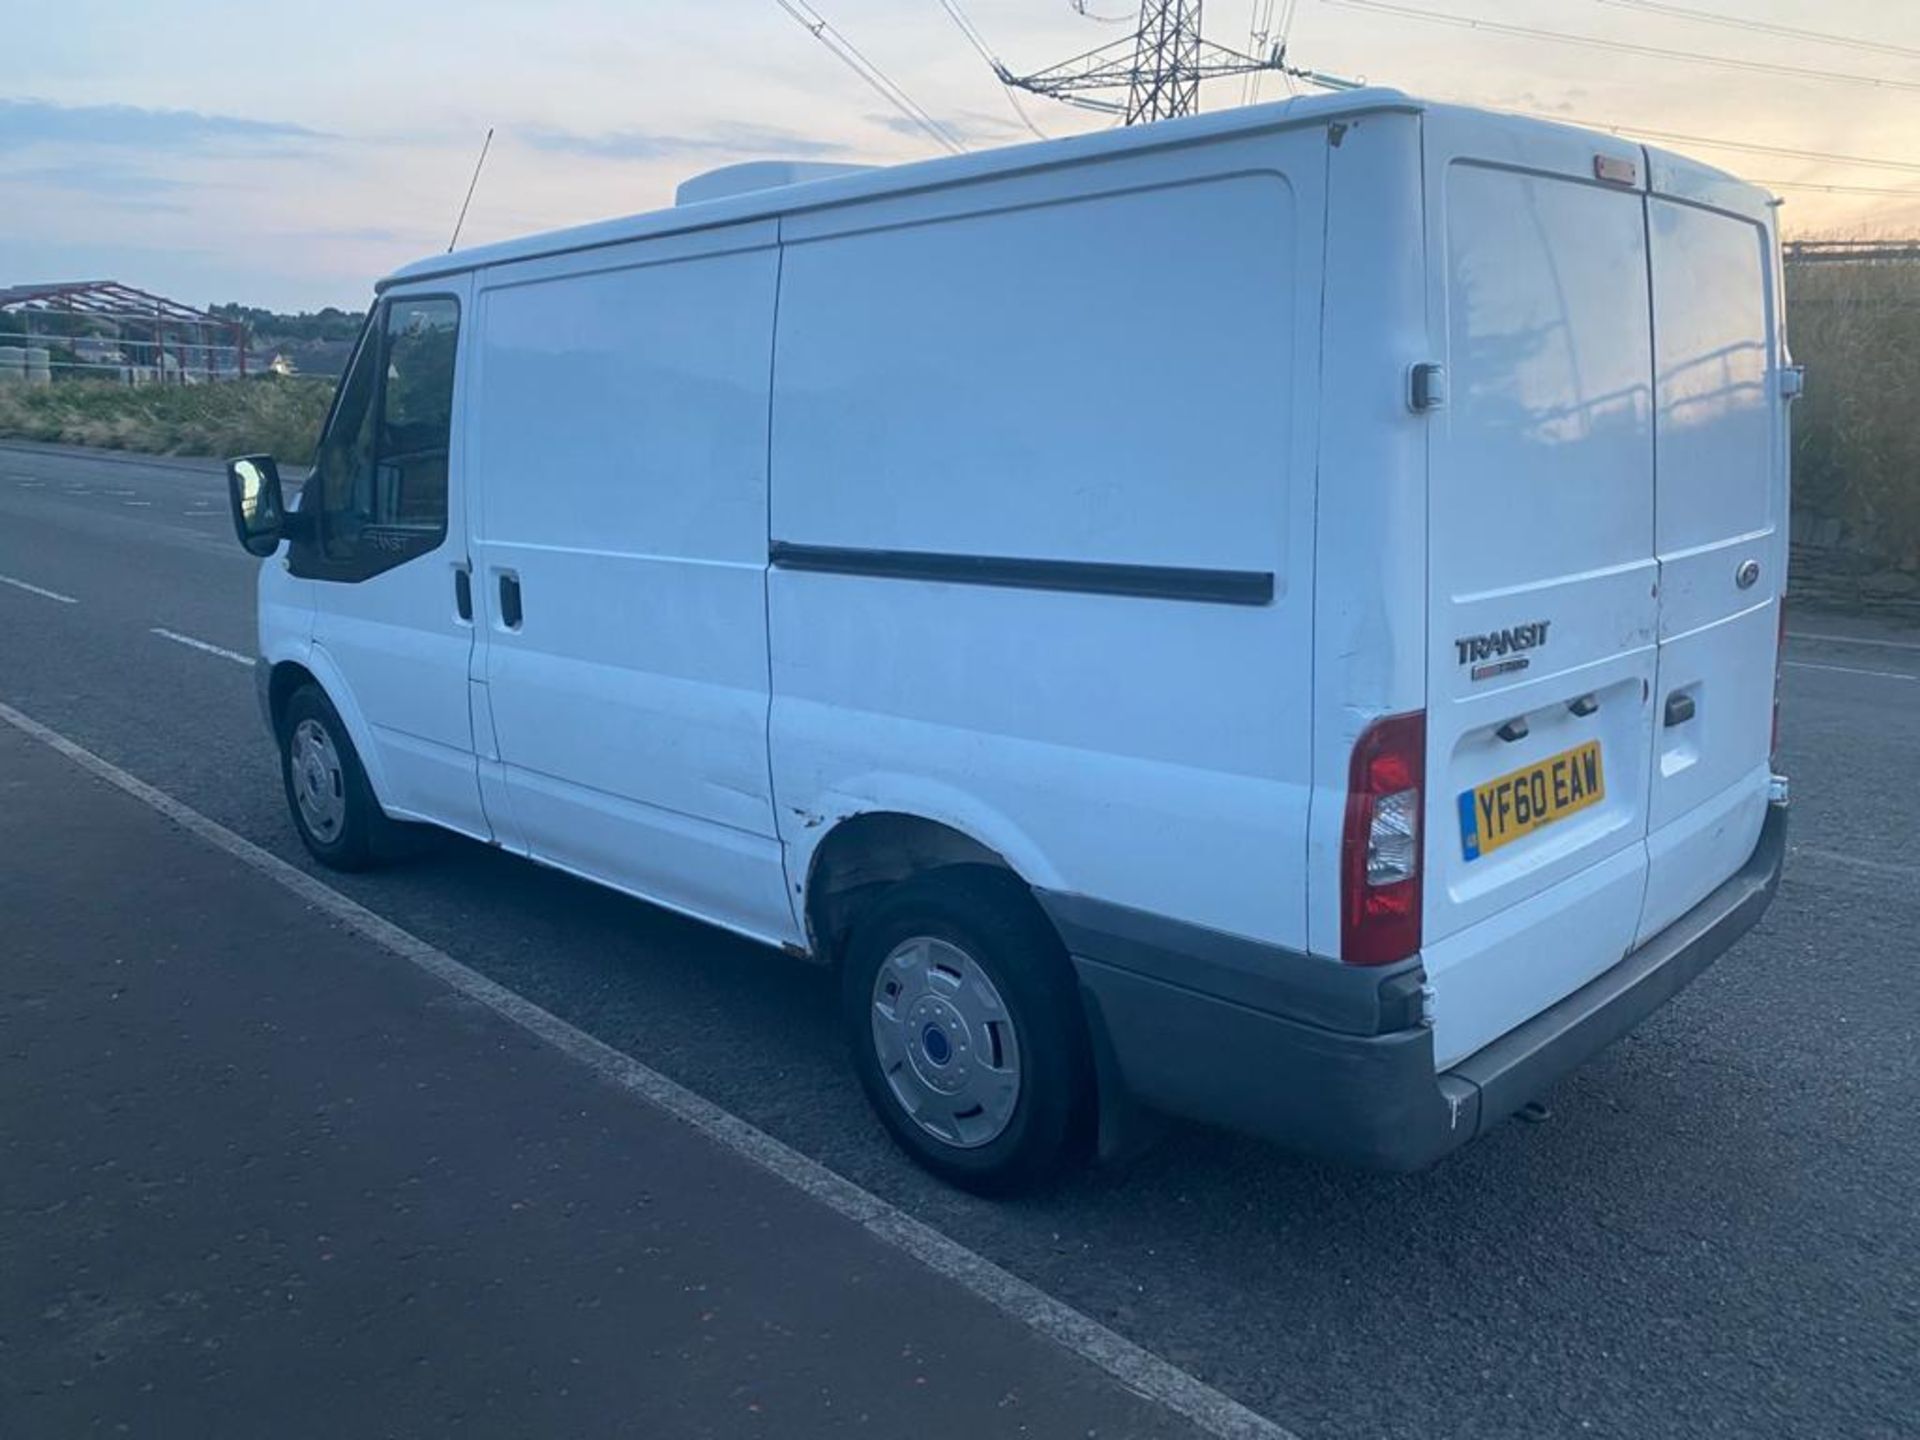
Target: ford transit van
x=1269, y=617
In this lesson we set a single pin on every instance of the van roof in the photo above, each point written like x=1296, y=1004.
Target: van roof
x=1669, y=174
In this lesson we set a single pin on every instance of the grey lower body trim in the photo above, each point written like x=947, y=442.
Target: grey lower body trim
x=1271, y=978
x=1263, y=1066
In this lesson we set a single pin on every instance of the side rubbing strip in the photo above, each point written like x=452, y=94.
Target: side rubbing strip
x=1159, y=582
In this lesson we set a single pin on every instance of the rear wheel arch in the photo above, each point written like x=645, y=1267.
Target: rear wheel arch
x=865, y=853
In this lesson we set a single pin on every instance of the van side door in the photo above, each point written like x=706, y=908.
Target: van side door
x=620, y=549
x=386, y=548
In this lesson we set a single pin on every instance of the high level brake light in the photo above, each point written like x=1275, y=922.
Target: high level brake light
x=1380, y=846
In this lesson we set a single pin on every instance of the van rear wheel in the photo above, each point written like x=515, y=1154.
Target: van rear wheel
x=339, y=821
x=966, y=1030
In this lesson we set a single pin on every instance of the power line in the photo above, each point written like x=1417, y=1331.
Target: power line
x=1717, y=143
x=1079, y=8
x=843, y=49
x=1259, y=29
x=985, y=52
x=1764, y=27
x=1621, y=47
x=1840, y=189
x=1280, y=43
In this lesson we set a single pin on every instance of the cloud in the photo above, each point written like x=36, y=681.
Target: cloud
x=751, y=140
x=43, y=122
x=970, y=126
x=106, y=179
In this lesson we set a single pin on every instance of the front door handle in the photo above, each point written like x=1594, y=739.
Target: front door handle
x=1679, y=709
x=510, y=613
x=463, y=592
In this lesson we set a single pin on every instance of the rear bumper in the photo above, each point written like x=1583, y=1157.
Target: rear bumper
x=1374, y=1099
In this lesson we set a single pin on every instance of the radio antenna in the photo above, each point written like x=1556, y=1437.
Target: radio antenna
x=484, y=146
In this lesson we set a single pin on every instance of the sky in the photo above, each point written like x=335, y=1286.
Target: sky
x=288, y=155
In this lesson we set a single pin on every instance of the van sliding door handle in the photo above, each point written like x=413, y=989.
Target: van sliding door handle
x=1680, y=709
x=510, y=601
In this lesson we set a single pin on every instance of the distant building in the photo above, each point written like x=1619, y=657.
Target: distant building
x=103, y=330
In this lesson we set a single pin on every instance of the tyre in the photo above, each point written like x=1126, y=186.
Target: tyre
x=333, y=807
x=966, y=1030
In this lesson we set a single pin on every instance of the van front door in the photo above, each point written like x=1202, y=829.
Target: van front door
x=1541, y=606
x=393, y=633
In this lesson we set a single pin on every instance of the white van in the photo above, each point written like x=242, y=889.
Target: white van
x=1270, y=617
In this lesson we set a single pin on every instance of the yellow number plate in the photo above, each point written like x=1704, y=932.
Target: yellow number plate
x=1521, y=802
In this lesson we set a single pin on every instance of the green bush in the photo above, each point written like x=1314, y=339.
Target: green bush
x=275, y=415
x=1856, y=434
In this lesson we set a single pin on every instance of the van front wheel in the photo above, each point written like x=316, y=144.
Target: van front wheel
x=966, y=1029
x=339, y=821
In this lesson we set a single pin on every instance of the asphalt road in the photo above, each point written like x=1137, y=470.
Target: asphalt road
x=304, y=1190
x=1717, y=1233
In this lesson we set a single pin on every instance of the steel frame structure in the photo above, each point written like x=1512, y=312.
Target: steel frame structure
x=136, y=323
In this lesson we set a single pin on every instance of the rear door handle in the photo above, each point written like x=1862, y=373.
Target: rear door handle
x=463, y=592
x=1680, y=709
x=510, y=614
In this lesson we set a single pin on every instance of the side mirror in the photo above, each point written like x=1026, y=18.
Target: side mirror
x=259, y=509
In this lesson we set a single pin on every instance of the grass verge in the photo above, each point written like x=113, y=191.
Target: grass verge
x=1856, y=434
x=278, y=416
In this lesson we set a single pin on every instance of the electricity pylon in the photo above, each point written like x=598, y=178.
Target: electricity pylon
x=1159, y=66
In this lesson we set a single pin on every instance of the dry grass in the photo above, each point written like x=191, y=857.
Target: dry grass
x=272, y=415
x=1856, y=327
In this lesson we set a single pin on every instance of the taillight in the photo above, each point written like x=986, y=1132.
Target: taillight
x=1380, y=847
x=1779, y=666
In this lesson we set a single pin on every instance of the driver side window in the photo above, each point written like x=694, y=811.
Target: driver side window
x=381, y=474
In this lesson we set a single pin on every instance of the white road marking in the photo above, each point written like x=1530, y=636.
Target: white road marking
x=1138, y=1369
x=1880, y=868
x=1853, y=640
x=191, y=643
x=36, y=590
x=1853, y=670
x=142, y=503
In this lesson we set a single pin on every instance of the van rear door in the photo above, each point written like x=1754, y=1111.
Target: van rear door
x=1720, y=502
x=1542, y=576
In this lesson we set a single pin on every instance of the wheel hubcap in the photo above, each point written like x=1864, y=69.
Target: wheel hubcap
x=946, y=1042
x=318, y=780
